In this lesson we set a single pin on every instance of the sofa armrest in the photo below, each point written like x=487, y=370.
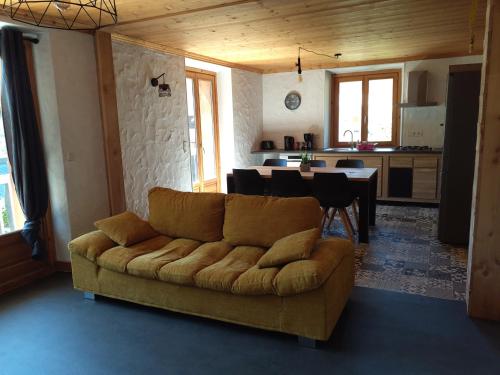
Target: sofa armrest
x=309, y=274
x=91, y=245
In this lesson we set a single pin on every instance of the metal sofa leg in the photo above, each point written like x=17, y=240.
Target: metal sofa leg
x=307, y=342
x=89, y=296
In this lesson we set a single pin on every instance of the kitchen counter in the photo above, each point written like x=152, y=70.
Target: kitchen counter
x=380, y=150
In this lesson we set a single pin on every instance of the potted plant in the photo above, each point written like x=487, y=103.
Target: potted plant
x=305, y=162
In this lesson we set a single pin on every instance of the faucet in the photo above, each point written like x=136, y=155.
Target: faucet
x=352, y=138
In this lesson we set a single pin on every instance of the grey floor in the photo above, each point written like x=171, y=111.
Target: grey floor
x=50, y=329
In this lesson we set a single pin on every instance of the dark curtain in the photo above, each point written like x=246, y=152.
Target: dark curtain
x=23, y=139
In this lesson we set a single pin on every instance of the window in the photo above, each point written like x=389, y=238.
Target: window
x=11, y=215
x=366, y=104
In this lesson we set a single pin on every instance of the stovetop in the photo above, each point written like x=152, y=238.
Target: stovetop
x=413, y=148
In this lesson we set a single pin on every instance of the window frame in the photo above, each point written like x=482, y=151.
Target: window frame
x=365, y=77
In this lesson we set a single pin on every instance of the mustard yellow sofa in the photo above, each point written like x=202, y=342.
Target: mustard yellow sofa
x=199, y=254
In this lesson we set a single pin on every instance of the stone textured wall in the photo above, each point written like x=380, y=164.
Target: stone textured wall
x=247, y=116
x=153, y=130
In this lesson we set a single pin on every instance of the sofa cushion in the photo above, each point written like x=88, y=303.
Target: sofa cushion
x=126, y=228
x=296, y=246
x=91, y=245
x=305, y=275
x=255, y=281
x=261, y=221
x=182, y=271
x=221, y=275
x=117, y=258
x=197, y=216
x=147, y=265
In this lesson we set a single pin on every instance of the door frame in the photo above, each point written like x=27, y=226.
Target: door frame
x=196, y=74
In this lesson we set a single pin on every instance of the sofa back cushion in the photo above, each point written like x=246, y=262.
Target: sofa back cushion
x=261, y=221
x=197, y=216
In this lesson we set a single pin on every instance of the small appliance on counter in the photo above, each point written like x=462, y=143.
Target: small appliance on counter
x=267, y=145
x=289, y=143
x=308, y=141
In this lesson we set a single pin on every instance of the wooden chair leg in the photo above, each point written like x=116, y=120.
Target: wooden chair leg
x=355, y=210
x=347, y=223
x=332, y=216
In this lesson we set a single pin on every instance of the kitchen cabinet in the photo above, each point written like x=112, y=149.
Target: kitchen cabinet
x=425, y=178
x=415, y=176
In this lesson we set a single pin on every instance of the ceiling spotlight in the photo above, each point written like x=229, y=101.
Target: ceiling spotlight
x=299, y=68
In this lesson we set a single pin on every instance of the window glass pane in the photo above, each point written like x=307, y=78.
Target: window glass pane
x=207, y=129
x=11, y=215
x=350, y=107
x=380, y=106
x=193, y=144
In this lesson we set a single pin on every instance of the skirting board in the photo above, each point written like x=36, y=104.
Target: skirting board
x=63, y=266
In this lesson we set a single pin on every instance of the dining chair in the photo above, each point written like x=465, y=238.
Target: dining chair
x=275, y=163
x=288, y=183
x=318, y=163
x=248, y=182
x=334, y=193
x=352, y=163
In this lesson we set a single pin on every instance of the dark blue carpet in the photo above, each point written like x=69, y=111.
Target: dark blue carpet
x=50, y=329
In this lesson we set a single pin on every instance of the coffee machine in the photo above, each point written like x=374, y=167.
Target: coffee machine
x=289, y=143
x=308, y=141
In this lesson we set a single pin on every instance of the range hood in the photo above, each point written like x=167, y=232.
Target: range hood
x=417, y=90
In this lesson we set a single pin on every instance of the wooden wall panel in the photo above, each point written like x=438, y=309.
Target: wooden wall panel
x=109, y=119
x=483, y=284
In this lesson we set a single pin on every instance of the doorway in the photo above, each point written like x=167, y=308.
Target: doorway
x=203, y=130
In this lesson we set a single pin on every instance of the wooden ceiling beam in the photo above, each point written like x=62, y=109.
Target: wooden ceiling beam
x=181, y=13
x=179, y=52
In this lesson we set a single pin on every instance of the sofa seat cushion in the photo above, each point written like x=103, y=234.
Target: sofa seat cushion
x=261, y=221
x=126, y=228
x=198, y=216
x=117, y=258
x=221, y=275
x=147, y=265
x=305, y=275
x=256, y=281
x=294, y=247
x=91, y=245
x=182, y=271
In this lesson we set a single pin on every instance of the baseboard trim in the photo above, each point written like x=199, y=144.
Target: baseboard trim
x=26, y=279
x=63, y=266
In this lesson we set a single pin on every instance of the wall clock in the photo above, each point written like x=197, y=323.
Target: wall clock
x=292, y=100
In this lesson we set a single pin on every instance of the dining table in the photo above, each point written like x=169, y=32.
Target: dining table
x=363, y=182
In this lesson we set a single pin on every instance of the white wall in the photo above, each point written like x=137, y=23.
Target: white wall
x=247, y=116
x=420, y=126
x=69, y=105
x=153, y=130
x=425, y=125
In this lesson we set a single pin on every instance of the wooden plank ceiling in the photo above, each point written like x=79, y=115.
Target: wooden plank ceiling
x=265, y=34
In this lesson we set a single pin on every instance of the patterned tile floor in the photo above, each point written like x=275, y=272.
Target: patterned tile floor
x=404, y=255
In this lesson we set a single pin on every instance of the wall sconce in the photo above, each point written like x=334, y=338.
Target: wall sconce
x=163, y=88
